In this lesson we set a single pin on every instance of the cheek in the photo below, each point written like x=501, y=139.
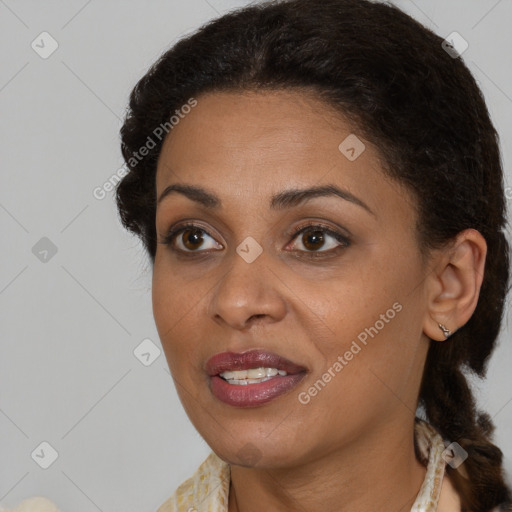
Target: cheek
x=370, y=367
x=173, y=303
x=374, y=318
x=175, y=294
x=162, y=303
x=180, y=313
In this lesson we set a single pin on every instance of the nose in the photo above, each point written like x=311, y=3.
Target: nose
x=247, y=293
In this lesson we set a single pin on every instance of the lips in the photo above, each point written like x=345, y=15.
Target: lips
x=230, y=361
x=252, y=394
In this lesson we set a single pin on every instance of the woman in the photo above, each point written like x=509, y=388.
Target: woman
x=318, y=185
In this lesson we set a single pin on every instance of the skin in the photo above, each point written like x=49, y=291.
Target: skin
x=351, y=447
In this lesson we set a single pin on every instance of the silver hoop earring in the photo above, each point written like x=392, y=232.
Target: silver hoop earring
x=447, y=333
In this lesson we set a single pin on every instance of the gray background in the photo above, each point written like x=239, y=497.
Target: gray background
x=71, y=320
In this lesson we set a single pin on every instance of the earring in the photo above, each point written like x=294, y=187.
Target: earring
x=447, y=333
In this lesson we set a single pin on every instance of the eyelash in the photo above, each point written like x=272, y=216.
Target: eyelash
x=343, y=239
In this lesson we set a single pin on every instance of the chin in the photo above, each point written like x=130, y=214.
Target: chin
x=255, y=449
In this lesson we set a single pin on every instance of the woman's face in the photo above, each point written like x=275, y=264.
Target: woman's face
x=343, y=300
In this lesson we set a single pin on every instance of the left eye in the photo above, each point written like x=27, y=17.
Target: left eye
x=314, y=237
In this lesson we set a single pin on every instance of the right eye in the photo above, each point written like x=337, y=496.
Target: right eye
x=188, y=238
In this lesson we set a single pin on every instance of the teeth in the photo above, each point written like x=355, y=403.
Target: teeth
x=252, y=376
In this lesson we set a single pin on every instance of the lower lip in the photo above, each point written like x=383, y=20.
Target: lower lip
x=252, y=395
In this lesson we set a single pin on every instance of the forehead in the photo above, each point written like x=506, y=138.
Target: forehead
x=257, y=130
x=254, y=144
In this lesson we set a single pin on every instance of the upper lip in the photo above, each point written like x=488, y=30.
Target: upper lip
x=229, y=361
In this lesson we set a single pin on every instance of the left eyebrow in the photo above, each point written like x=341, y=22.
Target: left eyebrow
x=294, y=197
x=282, y=200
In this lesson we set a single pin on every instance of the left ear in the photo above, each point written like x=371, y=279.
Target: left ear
x=454, y=285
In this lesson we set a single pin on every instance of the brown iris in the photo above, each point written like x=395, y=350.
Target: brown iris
x=192, y=238
x=313, y=241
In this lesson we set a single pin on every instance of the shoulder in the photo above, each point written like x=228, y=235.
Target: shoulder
x=208, y=487
x=35, y=504
x=181, y=500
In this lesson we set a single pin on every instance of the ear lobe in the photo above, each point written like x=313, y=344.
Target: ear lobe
x=454, y=286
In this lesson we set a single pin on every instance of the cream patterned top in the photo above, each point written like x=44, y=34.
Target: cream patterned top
x=208, y=489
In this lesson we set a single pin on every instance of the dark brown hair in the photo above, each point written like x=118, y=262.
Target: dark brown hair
x=391, y=77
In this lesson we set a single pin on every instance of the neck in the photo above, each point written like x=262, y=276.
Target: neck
x=379, y=472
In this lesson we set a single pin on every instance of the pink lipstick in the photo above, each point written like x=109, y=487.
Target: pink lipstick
x=252, y=378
